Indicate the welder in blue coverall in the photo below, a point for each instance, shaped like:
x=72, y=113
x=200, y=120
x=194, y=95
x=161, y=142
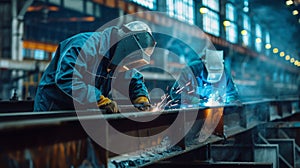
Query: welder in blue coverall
x=85, y=66
x=203, y=80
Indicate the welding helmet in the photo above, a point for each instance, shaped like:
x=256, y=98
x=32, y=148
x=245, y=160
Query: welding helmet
x=135, y=46
x=213, y=61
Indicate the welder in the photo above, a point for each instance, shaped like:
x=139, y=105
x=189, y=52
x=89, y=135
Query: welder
x=205, y=81
x=86, y=65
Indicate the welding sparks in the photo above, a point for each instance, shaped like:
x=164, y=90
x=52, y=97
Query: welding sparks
x=165, y=101
x=180, y=90
x=159, y=105
x=215, y=99
x=172, y=105
x=192, y=91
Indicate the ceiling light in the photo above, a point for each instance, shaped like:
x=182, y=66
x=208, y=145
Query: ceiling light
x=226, y=23
x=275, y=50
x=244, y=32
x=203, y=10
x=292, y=60
x=282, y=54
x=268, y=46
x=287, y=57
x=258, y=40
x=295, y=12
x=289, y=2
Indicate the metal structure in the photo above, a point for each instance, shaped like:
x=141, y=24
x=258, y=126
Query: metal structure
x=57, y=139
x=260, y=133
x=32, y=30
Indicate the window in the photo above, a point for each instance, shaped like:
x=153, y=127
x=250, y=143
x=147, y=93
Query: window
x=181, y=9
x=268, y=42
x=258, y=40
x=150, y=4
x=211, y=22
x=230, y=12
x=211, y=19
x=246, y=6
x=231, y=30
x=39, y=54
x=212, y=4
x=231, y=33
x=246, y=32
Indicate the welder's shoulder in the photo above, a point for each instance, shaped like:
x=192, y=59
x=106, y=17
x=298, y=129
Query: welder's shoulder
x=77, y=39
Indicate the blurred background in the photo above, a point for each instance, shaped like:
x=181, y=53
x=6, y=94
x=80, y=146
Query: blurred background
x=260, y=39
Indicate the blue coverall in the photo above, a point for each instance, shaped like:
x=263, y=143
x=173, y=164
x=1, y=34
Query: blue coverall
x=193, y=83
x=80, y=66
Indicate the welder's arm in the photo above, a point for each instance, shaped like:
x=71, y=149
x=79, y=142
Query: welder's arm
x=138, y=92
x=70, y=79
x=184, y=89
x=232, y=95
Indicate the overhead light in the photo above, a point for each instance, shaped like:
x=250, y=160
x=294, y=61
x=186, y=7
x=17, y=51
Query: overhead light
x=53, y=8
x=292, y=60
x=295, y=12
x=282, y=54
x=81, y=19
x=203, y=10
x=39, y=8
x=244, y=32
x=275, y=50
x=258, y=40
x=268, y=46
x=226, y=23
x=296, y=63
x=289, y=2
x=287, y=57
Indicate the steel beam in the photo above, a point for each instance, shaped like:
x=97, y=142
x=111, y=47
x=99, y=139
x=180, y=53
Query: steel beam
x=168, y=164
x=64, y=131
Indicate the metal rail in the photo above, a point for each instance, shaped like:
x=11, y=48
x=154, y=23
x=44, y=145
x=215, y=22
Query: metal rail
x=61, y=138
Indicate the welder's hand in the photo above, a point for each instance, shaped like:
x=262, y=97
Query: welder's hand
x=146, y=106
x=142, y=103
x=108, y=105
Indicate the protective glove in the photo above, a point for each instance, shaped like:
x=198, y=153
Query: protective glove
x=142, y=103
x=108, y=105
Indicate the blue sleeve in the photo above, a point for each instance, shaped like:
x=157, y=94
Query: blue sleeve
x=231, y=89
x=131, y=84
x=71, y=78
x=137, y=86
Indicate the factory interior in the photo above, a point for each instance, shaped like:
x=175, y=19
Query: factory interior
x=179, y=123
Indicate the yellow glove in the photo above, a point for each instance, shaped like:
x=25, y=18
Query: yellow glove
x=142, y=103
x=108, y=105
